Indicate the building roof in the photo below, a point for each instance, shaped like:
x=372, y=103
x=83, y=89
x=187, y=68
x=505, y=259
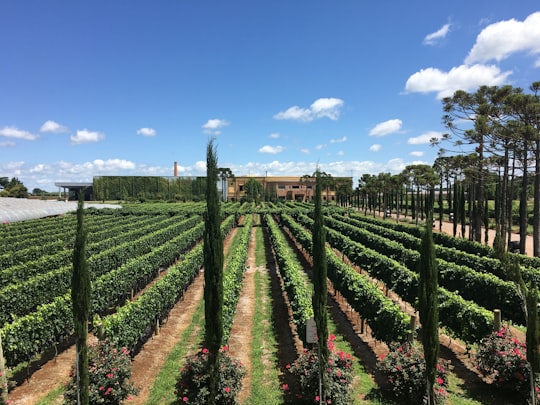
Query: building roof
x=67, y=184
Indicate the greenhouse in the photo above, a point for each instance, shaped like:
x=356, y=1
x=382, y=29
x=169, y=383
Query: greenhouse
x=20, y=209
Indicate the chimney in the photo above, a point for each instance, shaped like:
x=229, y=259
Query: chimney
x=175, y=169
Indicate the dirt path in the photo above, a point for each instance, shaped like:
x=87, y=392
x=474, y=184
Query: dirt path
x=241, y=331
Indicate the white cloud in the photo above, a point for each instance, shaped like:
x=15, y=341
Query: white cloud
x=434, y=37
x=113, y=164
x=214, y=126
x=321, y=146
x=425, y=138
x=322, y=107
x=274, y=135
x=340, y=153
x=339, y=140
x=147, y=132
x=305, y=151
x=462, y=77
x=417, y=153
x=375, y=147
x=39, y=168
x=499, y=40
x=271, y=149
x=200, y=166
x=386, y=127
x=13, y=132
x=54, y=127
x=7, y=144
x=86, y=136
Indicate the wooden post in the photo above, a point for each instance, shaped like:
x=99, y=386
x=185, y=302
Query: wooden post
x=157, y=327
x=496, y=319
x=3, y=375
x=412, y=327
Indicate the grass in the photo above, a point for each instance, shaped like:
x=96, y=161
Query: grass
x=265, y=385
x=162, y=391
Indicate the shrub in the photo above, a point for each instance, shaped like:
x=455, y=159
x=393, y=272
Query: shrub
x=405, y=370
x=3, y=388
x=192, y=384
x=110, y=370
x=503, y=358
x=338, y=375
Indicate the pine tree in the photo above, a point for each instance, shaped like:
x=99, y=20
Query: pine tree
x=428, y=304
x=213, y=270
x=80, y=298
x=319, y=299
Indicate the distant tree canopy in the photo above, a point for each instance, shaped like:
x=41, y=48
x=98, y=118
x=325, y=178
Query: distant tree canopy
x=254, y=190
x=13, y=188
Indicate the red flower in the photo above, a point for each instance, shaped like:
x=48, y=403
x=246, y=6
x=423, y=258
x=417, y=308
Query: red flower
x=382, y=356
x=227, y=389
x=439, y=380
x=205, y=350
x=285, y=387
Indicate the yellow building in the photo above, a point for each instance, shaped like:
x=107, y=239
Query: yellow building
x=284, y=188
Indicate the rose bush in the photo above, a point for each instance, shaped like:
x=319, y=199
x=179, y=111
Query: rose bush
x=110, y=370
x=503, y=358
x=405, y=369
x=192, y=384
x=338, y=375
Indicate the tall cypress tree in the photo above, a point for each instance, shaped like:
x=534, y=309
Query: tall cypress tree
x=80, y=299
x=320, y=291
x=213, y=270
x=428, y=305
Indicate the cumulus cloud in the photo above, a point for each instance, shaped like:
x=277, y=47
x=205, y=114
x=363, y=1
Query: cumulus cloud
x=321, y=146
x=434, y=37
x=375, y=147
x=340, y=153
x=13, y=132
x=425, y=138
x=54, y=127
x=322, y=107
x=214, y=126
x=271, y=149
x=86, y=136
x=499, y=40
x=305, y=151
x=147, y=131
x=462, y=77
x=417, y=153
x=113, y=164
x=339, y=140
x=386, y=127
x=274, y=135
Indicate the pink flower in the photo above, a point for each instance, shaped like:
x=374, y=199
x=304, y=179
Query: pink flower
x=382, y=356
x=185, y=399
x=439, y=380
x=227, y=389
x=285, y=387
x=205, y=350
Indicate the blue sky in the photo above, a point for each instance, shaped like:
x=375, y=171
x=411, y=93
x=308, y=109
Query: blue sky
x=128, y=87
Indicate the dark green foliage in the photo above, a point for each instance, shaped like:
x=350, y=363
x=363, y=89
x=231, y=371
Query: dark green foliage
x=319, y=279
x=428, y=305
x=80, y=297
x=533, y=338
x=213, y=270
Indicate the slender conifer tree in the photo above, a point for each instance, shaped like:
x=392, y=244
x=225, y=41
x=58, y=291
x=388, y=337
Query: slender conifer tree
x=320, y=290
x=213, y=270
x=80, y=298
x=428, y=304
